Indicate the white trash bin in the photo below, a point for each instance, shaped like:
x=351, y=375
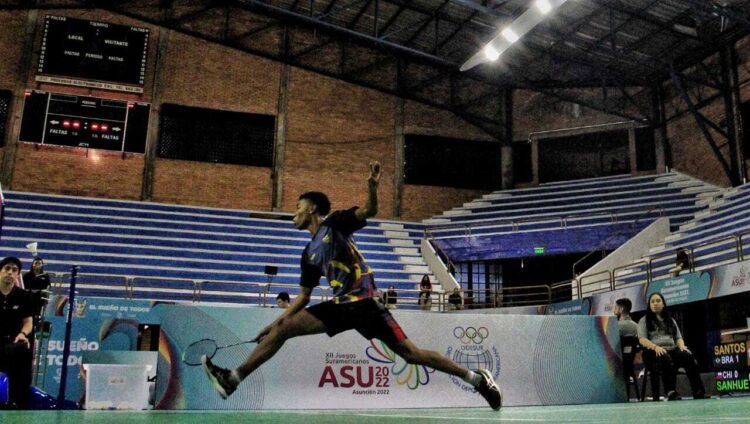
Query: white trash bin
x=116, y=386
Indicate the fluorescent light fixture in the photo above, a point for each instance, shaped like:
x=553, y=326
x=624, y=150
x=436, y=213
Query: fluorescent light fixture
x=509, y=35
x=491, y=53
x=543, y=6
x=539, y=11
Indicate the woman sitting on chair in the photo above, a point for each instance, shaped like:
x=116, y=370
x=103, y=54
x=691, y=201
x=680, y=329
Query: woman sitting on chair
x=664, y=350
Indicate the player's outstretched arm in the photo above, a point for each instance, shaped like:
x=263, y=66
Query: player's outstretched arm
x=297, y=305
x=371, y=205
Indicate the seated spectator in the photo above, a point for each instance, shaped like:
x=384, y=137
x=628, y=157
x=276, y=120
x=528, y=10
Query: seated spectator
x=425, y=284
x=15, y=329
x=456, y=300
x=425, y=293
x=283, y=300
x=664, y=350
x=628, y=327
x=391, y=297
x=682, y=262
x=36, y=281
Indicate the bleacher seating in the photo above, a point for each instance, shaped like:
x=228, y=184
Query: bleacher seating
x=172, y=252
x=712, y=237
x=621, y=198
x=585, y=214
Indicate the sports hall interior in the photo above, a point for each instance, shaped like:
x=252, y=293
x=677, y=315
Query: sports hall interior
x=542, y=174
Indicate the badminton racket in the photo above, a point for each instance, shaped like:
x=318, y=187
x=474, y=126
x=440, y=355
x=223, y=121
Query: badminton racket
x=192, y=355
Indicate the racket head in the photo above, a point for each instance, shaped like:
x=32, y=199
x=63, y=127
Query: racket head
x=195, y=350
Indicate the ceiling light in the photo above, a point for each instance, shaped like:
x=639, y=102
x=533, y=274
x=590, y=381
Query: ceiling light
x=544, y=6
x=509, y=35
x=491, y=53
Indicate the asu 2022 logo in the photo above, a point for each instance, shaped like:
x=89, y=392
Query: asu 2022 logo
x=471, y=349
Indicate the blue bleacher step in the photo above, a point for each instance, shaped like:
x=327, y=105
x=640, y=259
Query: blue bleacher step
x=417, y=260
x=702, y=214
x=673, y=237
x=496, y=196
x=417, y=269
x=687, y=226
x=457, y=212
x=657, y=249
x=436, y=221
x=391, y=226
x=401, y=242
x=476, y=204
x=396, y=234
x=408, y=251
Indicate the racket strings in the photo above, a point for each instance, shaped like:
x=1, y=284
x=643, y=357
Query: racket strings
x=192, y=355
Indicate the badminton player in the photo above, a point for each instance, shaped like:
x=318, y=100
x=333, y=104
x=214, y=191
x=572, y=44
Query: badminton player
x=356, y=302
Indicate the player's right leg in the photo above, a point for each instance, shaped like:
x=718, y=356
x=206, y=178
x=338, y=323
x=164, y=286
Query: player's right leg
x=481, y=379
x=225, y=381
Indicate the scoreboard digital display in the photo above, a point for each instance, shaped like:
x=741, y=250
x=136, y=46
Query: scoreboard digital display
x=93, y=54
x=81, y=121
x=732, y=367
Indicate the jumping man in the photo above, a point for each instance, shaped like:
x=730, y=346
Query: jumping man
x=356, y=303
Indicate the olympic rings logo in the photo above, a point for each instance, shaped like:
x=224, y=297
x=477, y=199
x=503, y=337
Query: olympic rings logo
x=471, y=334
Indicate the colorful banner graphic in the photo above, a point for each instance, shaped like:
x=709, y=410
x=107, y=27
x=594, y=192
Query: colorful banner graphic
x=683, y=289
x=98, y=324
x=537, y=360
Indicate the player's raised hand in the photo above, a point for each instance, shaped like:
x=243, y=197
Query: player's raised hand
x=374, y=172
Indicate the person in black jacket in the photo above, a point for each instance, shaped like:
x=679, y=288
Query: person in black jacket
x=15, y=332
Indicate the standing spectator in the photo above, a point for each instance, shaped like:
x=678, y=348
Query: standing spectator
x=425, y=293
x=15, y=330
x=283, y=300
x=664, y=349
x=36, y=281
x=628, y=327
x=456, y=300
x=391, y=298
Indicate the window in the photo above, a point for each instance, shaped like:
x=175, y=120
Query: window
x=449, y=162
x=208, y=135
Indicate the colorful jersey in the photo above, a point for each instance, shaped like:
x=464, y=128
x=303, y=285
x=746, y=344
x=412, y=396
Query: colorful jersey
x=332, y=253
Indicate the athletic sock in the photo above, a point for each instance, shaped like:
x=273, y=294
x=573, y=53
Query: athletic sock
x=235, y=378
x=472, y=378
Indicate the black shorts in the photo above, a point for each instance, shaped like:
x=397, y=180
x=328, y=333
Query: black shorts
x=368, y=316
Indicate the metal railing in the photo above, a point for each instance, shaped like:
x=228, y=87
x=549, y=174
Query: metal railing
x=615, y=280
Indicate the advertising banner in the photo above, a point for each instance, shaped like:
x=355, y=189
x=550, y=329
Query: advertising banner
x=98, y=324
x=537, y=360
x=731, y=279
x=686, y=288
x=604, y=303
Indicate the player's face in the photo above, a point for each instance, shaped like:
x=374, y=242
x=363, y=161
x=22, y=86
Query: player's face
x=38, y=267
x=303, y=214
x=617, y=310
x=9, y=274
x=656, y=304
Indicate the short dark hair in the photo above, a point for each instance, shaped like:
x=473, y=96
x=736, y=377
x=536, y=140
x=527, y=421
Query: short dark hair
x=283, y=296
x=11, y=260
x=318, y=199
x=625, y=304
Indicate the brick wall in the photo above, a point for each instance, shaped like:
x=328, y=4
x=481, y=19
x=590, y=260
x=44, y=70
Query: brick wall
x=212, y=184
x=79, y=172
x=334, y=129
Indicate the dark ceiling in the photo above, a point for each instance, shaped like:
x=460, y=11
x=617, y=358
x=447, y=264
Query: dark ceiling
x=413, y=48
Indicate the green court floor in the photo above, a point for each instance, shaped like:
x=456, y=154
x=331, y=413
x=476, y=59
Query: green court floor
x=735, y=409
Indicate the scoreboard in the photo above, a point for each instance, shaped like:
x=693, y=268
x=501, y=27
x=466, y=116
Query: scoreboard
x=93, y=54
x=81, y=121
x=731, y=365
